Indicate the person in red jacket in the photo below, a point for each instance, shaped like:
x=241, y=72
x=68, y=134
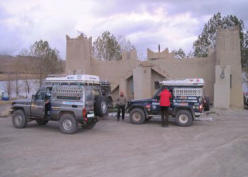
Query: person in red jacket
x=165, y=96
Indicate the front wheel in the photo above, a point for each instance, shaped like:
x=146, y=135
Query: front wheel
x=19, y=119
x=184, y=118
x=68, y=124
x=137, y=116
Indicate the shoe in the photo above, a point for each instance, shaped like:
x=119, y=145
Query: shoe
x=165, y=126
x=118, y=119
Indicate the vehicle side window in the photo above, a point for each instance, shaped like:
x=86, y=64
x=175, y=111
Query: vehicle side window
x=40, y=95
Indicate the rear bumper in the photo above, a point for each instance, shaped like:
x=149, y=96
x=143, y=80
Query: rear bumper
x=87, y=120
x=197, y=114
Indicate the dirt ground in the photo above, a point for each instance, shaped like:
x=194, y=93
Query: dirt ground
x=209, y=148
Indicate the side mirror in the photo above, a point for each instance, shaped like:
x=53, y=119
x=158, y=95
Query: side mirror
x=156, y=85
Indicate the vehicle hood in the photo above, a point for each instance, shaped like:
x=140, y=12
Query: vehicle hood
x=22, y=101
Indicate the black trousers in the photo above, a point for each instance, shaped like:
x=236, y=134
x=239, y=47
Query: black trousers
x=164, y=115
x=121, y=108
x=47, y=108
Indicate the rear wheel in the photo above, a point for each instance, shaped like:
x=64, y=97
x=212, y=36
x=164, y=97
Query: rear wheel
x=41, y=122
x=68, y=124
x=184, y=118
x=19, y=119
x=137, y=116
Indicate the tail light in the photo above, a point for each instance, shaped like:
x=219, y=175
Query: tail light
x=201, y=108
x=85, y=114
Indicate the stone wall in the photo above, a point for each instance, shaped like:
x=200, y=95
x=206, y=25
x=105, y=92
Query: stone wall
x=136, y=78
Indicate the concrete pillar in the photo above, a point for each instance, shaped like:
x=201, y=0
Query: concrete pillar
x=142, y=82
x=123, y=86
x=228, y=53
x=222, y=86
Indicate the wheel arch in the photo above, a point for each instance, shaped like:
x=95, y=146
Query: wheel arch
x=15, y=108
x=66, y=112
x=140, y=107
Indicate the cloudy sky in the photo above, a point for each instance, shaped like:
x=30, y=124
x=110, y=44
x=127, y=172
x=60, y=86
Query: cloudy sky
x=170, y=23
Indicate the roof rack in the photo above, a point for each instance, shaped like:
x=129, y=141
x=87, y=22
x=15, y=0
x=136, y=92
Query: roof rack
x=75, y=79
x=185, y=82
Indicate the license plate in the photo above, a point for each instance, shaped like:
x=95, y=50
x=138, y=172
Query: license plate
x=90, y=115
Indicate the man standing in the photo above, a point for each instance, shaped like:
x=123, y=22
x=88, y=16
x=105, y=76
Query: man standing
x=47, y=103
x=165, y=96
x=121, y=104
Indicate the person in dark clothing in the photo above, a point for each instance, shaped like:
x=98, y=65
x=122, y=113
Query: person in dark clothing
x=47, y=103
x=165, y=96
x=121, y=104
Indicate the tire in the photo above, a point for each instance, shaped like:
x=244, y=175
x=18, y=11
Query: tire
x=137, y=116
x=89, y=125
x=68, y=124
x=41, y=122
x=184, y=118
x=19, y=119
x=101, y=106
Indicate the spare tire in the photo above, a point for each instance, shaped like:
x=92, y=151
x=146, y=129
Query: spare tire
x=101, y=106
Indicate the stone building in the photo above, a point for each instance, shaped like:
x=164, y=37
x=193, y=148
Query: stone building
x=221, y=70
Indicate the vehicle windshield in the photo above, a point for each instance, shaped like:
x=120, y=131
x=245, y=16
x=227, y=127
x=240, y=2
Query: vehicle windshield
x=157, y=93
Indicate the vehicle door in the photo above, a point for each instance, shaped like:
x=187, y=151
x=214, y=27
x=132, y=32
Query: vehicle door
x=38, y=104
x=155, y=107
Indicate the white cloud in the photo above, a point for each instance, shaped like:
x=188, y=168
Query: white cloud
x=145, y=24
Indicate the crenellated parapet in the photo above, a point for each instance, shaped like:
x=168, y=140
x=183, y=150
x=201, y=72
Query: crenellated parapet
x=151, y=55
x=78, y=54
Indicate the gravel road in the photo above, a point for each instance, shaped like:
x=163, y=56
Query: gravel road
x=217, y=148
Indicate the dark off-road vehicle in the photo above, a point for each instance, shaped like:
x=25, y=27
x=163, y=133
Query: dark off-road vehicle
x=186, y=102
x=73, y=100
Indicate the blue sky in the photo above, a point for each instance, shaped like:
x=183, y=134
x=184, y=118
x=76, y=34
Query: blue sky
x=171, y=23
